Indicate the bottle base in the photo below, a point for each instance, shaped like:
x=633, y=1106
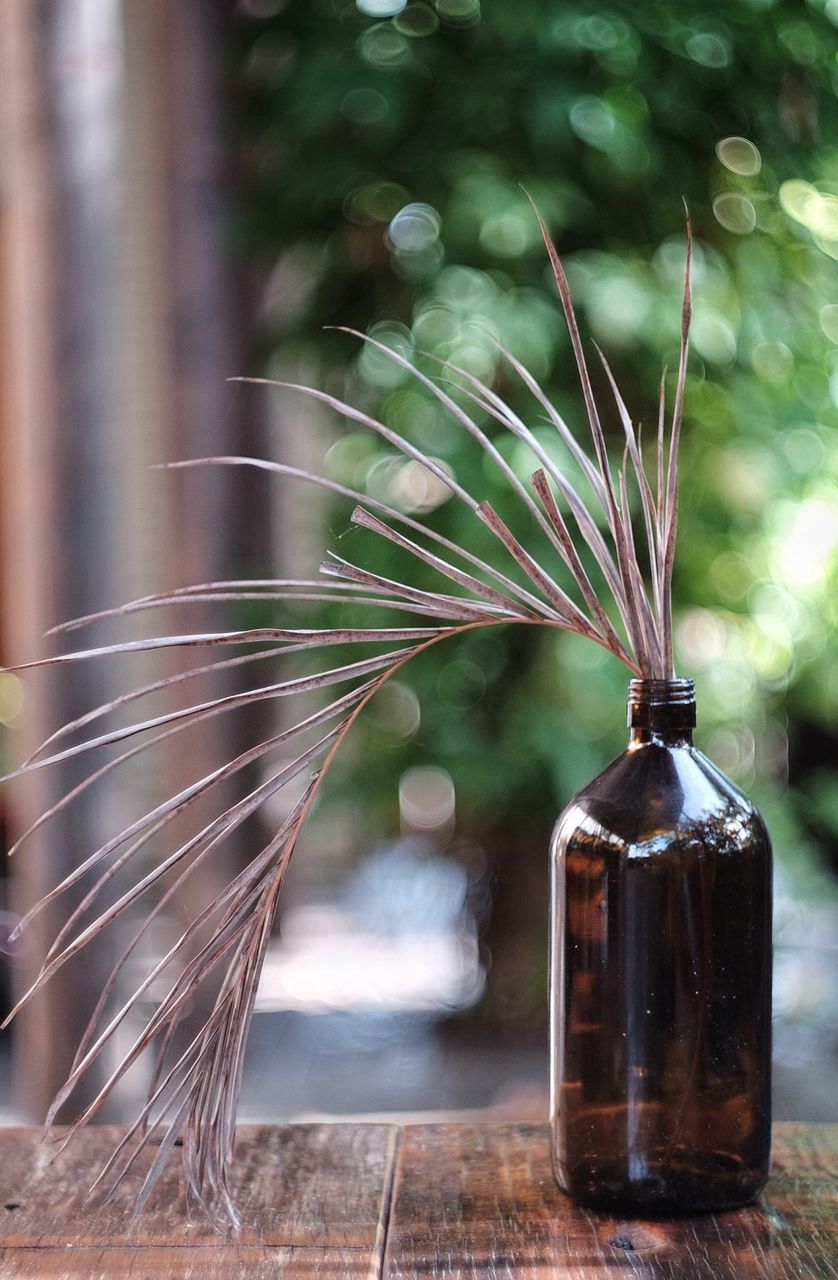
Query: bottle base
x=686, y=1184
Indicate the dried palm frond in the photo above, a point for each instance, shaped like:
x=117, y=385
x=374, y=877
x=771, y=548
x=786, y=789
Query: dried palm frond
x=194, y=1089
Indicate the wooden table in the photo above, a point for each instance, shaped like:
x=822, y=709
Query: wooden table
x=374, y=1200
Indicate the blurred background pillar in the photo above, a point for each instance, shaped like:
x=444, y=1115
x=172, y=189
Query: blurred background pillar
x=117, y=333
x=59, y=150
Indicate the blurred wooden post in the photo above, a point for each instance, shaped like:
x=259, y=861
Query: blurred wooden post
x=183, y=344
x=57, y=180
x=116, y=337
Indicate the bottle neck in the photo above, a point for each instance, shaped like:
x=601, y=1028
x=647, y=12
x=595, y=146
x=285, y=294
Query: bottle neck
x=661, y=711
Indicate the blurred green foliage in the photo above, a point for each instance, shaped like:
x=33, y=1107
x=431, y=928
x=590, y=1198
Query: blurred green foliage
x=384, y=148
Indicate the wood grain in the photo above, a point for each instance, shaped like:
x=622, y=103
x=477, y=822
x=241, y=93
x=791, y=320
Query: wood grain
x=213, y=1262
x=480, y=1201
x=313, y=1200
x=358, y=1202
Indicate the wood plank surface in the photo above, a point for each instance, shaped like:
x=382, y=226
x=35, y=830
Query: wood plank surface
x=474, y=1202
x=313, y=1201
x=356, y=1202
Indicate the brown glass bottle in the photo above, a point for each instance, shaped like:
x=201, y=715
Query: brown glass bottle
x=660, y=986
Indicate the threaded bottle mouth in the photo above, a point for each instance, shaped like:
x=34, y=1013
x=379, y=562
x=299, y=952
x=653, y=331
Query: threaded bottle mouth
x=661, y=704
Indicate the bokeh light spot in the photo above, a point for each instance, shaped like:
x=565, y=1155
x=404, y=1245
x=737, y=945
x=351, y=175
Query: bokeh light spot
x=417, y=20
x=804, y=450
x=816, y=210
x=713, y=337
x=381, y=8
x=414, y=228
x=617, y=307
x=735, y=213
x=739, y=155
x=348, y=459
x=733, y=750
x=384, y=47
x=773, y=361
x=829, y=321
x=365, y=106
x=415, y=488
x=731, y=574
x=376, y=366
x=593, y=122
x=427, y=799
x=459, y=13
x=435, y=326
x=807, y=548
x=801, y=41
x=701, y=638
x=745, y=475
x=709, y=50
x=795, y=195
x=395, y=709
x=461, y=682
x=373, y=202
x=597, y=32
x=411, y=412
x=506, y=234
x=11, y=697
x=270, y=58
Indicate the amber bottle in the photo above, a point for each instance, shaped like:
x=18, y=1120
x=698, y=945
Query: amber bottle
x=661, y=976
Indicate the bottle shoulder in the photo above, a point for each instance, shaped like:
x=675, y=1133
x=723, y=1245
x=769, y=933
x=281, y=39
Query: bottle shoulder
x=652, y=792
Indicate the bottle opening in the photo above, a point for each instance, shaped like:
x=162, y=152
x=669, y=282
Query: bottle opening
x=665, y=704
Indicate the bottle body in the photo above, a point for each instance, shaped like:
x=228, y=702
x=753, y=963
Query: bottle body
x=661, y=981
